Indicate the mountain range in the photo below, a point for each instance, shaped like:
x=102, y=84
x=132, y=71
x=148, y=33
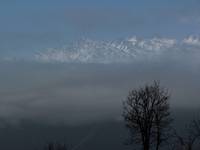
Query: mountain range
x=118, y=51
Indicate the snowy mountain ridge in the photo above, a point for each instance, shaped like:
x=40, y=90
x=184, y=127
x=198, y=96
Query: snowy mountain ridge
x=122, y=51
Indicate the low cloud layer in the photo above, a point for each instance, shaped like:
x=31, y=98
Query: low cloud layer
x=82, y=93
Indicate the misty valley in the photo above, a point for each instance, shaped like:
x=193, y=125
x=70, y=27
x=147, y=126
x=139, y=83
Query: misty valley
x=99, y=75
x=81, y=106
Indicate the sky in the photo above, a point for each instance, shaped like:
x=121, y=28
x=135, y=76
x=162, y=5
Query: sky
x=28, y=26
x=72, y=61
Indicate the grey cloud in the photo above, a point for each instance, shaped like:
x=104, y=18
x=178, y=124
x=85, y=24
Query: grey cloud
x=82, y=93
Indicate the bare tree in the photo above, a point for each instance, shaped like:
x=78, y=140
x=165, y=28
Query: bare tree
x=146, y=114
x=162, y=120
x=192, y=134
x=56, y=146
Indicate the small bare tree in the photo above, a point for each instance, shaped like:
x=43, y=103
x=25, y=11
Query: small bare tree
x=56, y=146
x=146, y=114
x=192, y=134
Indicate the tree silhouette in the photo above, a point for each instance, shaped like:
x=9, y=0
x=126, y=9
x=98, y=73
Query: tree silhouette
x=56, y=146
x=146, y=114
x=162, y=120
x=191, y=136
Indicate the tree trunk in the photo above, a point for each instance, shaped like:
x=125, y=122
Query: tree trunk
x=189, y=147
x=158, y=141
x=146, y=145
x=157, y=146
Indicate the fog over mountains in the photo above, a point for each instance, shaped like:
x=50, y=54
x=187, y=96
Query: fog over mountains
x=87, y=80
x=66, y=67
x=121, y=51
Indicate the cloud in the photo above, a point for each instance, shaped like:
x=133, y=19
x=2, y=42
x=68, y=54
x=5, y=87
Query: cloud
x=83, y=93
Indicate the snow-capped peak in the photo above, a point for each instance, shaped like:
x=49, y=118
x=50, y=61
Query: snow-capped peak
x=133, y=40
x=192, y=40
x=127, y=50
